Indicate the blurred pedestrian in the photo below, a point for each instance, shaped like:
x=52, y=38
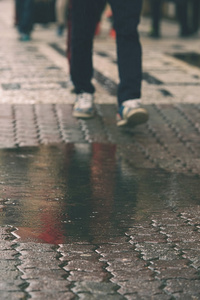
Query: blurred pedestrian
x=61, y=15
x=126, y=14
x=25, y=18
x=187, y=12
x=156, y=6
x=188, y=16
x=195, y=15
x=44, y=12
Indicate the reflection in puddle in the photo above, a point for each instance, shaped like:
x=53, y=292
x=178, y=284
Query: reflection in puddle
x=77, y=192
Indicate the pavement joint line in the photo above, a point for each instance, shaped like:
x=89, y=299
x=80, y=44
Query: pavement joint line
x=174, y=129
x=24, y=285
x=62, y=265
x=161, y=142
x=189, y=120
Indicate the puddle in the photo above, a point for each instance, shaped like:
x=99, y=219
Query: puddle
x=55, y=194
x=191, y=58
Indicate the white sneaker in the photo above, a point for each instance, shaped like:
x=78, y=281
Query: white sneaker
x=84, y=106
x=131, y=114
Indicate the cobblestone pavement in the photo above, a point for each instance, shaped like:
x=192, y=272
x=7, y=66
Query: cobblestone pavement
x=89, y=211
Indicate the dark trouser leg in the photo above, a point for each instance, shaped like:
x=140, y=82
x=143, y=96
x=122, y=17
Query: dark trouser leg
x=19, y=9
x=85, y=14
x=195, y=15
x=26, y=16
x=25, y=10
x=156, y=16
x=182, y=15
x=126, y=19
x=69, y=31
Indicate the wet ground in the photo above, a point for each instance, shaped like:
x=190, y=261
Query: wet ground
x=88, y=211
x=77, y=192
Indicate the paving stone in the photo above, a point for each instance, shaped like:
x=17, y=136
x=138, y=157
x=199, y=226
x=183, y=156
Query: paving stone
x=77, y=248
x=142, y=231
x=186, y=273
x=94, y=276
x=4, y=231
x=83, y=265
x=35, y=247
x=74, y=256
x=191, y=254
x=9, y=265
x=150, y=238
x=100, y=297
x=172, y=264
x=186, y=296
x=119, y=257
x=154, y=297
x=183, y=237
x=127, y=265
x=183, y=286
x=34, y=273
x=8, y=254
x=10, y=284
x=143, y=288
x=41, y=257
x=187, y=230
x=5, y=245
x=111, y=248
x=12, y=295
x=157, y=251
x=122, y=275
x=188, y=245
x=95, y=288
x=40, y=264
x=52, y=296
x=45, y=284
x=110, y=240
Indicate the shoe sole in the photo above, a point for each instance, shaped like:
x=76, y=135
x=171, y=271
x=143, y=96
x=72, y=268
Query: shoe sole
x=82, y=115
x=135, y=117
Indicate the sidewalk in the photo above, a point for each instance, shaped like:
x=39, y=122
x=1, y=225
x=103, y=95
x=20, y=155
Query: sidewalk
x=89, y=211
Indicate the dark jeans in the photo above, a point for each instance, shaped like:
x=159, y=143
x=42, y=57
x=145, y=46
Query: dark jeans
x=85, y=15
x=156, y=15
x=188, y=15
x=25, y=11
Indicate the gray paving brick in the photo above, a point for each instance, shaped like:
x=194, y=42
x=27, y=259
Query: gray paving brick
x=183, y=286
x=48, y=285
x=51, y=296
x=84, y=265
x=12, y=295
x=95, y=288
x=93, y=276
x=142, y=288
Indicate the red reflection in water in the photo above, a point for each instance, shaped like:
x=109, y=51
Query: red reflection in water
x=99, y=177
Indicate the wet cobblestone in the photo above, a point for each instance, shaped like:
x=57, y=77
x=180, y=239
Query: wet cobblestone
x=89, y=211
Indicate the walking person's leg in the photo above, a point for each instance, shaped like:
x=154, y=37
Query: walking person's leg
x=182, y=15
x=26, y=19
x=17, y=12
x=61, y=15
x=126, y=19
x=85, y=15
x=156, y=17
x=195, y=15
x=69, y=32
